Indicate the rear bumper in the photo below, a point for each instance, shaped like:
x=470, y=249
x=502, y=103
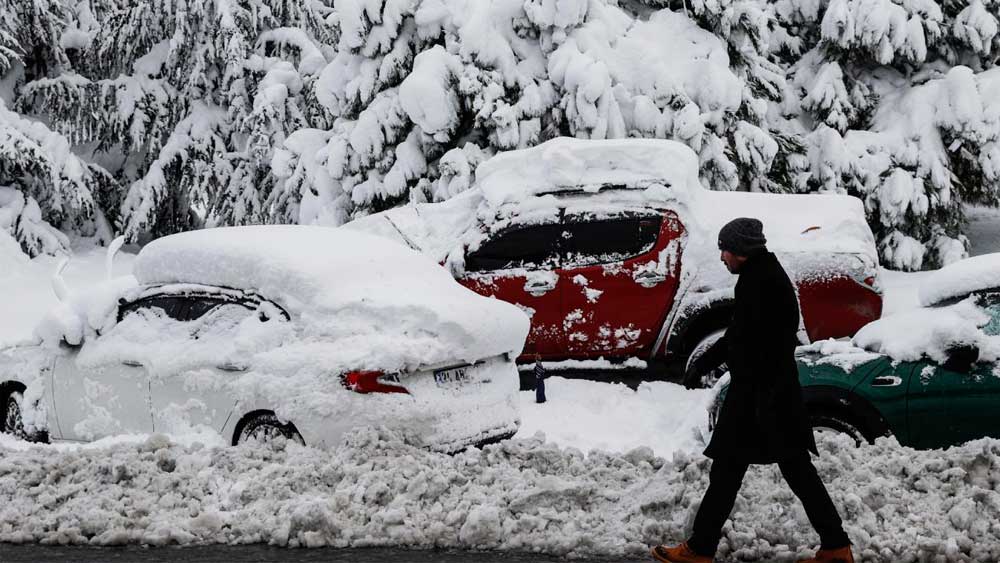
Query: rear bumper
x=439, y=418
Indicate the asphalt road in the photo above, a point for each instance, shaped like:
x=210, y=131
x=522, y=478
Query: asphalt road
x=262, y=554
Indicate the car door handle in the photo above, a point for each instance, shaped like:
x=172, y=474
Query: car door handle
x=537, y=287
x=887, y=381
x=649, y=278
x=132, y=363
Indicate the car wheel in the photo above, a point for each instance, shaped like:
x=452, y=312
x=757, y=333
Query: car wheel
x=838, y=424
x=699, y=350
x=265, y=427
x=13, y=424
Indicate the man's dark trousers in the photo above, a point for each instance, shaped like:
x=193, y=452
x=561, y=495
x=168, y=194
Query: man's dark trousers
x=725, y=480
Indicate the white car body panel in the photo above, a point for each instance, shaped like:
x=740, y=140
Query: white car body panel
x=84, y=403
x=100, y=401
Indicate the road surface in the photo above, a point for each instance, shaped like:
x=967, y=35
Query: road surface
x=260, y=554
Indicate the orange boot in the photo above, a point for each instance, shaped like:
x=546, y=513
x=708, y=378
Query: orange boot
x=678, y=554
x=839, y=555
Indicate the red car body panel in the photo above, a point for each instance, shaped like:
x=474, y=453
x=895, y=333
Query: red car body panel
x=837, y=306
x=617, y=309
x=547, y=336
x=606, y=309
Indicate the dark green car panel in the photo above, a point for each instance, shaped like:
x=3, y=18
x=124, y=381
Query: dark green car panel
x=920, y=403
x=884, y=387
x=947, y=407
x=923, y=404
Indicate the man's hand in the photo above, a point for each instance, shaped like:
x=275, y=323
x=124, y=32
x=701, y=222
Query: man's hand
x=692, y=377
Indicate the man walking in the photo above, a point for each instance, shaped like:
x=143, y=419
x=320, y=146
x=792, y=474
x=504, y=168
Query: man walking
x=763, y=418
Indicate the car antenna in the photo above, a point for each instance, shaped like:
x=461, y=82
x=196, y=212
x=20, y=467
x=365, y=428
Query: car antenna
x=405, y=238
x=109, y=258
x=59, y=286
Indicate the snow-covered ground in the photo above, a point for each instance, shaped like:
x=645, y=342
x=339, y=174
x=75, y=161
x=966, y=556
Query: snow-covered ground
x=525, y=495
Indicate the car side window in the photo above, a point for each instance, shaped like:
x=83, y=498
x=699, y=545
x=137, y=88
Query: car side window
x=992, y=328
x=221, y=319
x=529, y=247
x=169, y=306
x=589, y=241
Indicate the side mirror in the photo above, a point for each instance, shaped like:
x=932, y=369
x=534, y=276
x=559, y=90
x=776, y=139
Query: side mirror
x=961, y=358
x=64, y=345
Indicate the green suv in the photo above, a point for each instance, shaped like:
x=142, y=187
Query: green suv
x=929, y=377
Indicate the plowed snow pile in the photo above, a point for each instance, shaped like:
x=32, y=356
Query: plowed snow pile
x=899, y=504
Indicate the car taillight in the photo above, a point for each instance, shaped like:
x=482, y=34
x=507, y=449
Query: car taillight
x=867, y=275
x=372, y=382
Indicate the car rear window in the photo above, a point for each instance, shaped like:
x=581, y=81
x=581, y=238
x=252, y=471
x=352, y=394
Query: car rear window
x=603, y=241
x=531, y=246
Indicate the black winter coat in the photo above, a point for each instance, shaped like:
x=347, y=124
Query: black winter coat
x=763, y=418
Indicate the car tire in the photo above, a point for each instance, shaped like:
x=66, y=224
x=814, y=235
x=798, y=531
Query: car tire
x=13, y=423
x=703, y=345
x=265, y=427
x=828, y=422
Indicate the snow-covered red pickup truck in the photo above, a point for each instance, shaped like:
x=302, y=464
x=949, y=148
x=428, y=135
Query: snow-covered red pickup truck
x=611, y=248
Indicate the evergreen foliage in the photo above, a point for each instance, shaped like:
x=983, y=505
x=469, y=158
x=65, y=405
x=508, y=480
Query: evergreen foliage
x=147, y=117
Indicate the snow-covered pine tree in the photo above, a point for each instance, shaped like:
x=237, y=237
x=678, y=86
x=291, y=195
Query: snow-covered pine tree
x=41, y=182
x=417, y=91
x=889, y=120
x=183, y=101
x=36, y=165
x=316, y=111
x=420, y=92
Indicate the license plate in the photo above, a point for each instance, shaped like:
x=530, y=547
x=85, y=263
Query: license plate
x=453, y=376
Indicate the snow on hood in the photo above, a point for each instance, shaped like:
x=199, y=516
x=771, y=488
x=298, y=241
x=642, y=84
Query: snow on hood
x=928, y=333
x=961, y=278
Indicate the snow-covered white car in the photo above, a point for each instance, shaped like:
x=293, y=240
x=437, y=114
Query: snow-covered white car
x=253, y=332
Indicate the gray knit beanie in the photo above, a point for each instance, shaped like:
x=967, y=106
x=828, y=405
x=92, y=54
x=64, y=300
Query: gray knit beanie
x=742, y=236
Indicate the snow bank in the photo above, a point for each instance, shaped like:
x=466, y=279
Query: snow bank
x=590, y=415
x=525, y=495
x=960, y=278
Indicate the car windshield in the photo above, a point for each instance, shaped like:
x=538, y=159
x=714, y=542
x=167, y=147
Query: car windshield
x=992, y=328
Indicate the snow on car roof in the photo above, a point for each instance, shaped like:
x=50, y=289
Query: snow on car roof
x=961, y=278
x=300, y=267
x=643, y=172
x=792, y=222
x=566, y=162
x=343, y=284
